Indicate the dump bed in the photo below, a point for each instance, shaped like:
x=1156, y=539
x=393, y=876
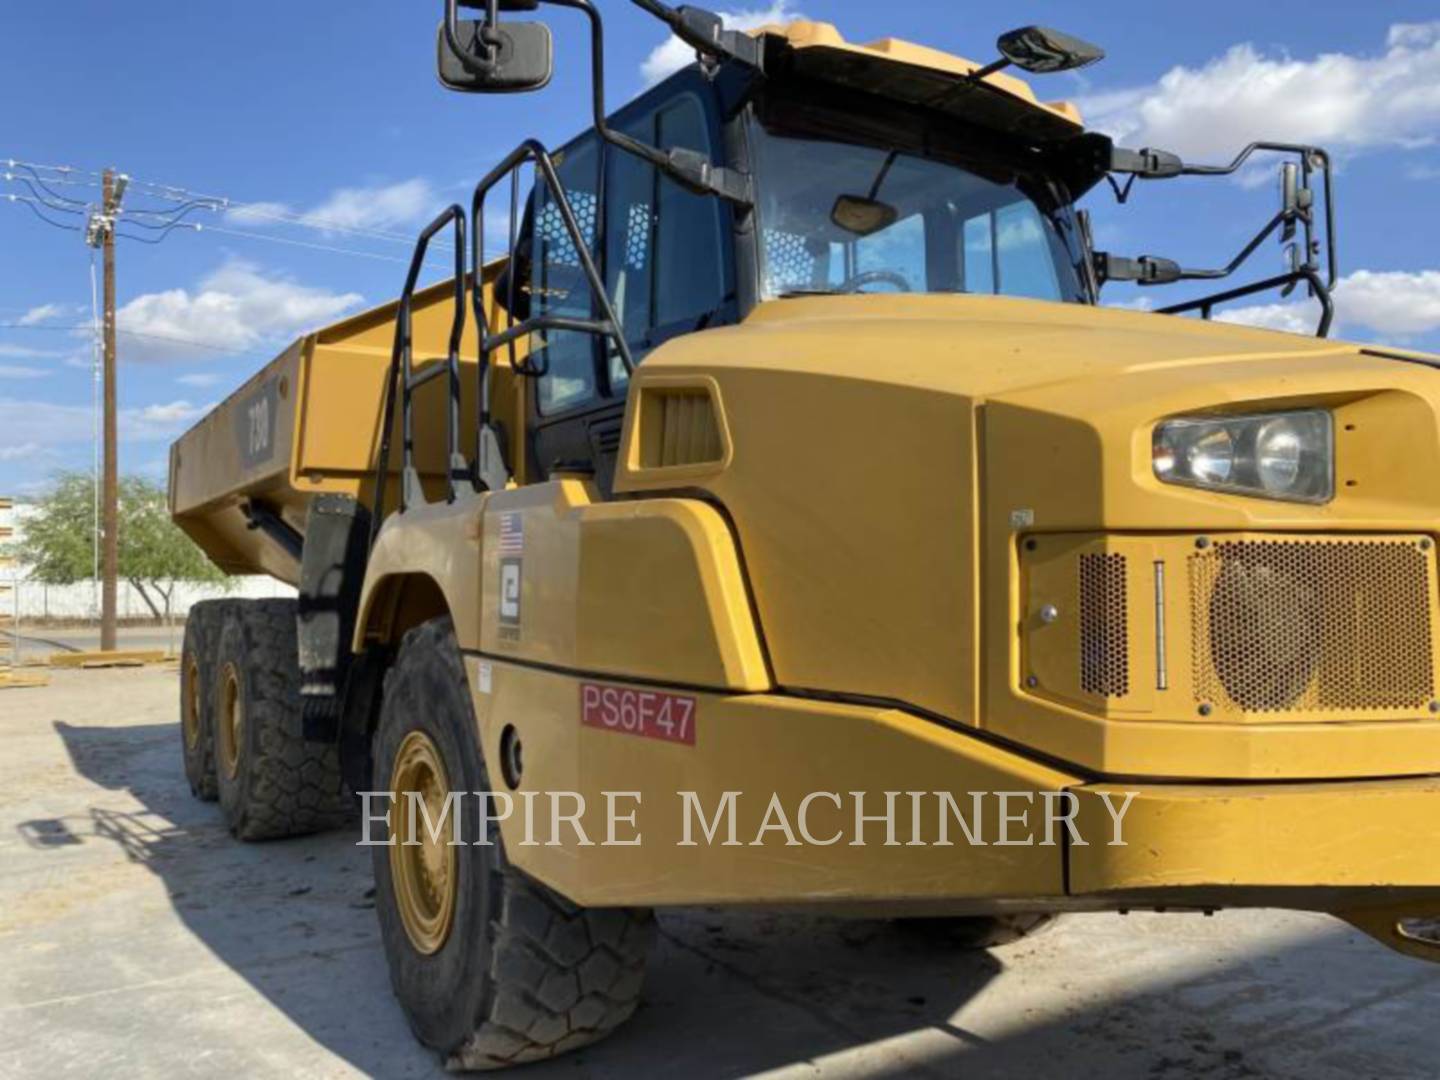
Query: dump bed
x=309, y=423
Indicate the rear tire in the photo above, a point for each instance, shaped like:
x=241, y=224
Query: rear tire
x=498, y=969
x=272, y=781
x=197, y=682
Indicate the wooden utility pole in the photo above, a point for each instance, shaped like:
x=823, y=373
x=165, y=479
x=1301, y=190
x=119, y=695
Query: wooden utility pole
x=113, y=189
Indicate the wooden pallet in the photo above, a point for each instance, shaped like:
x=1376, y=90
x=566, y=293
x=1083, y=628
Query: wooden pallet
x=114, y=658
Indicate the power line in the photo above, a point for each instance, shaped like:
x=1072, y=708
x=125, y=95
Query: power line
x=229, y=350
x=31, y=203
x=293, y=242
x=224, y=204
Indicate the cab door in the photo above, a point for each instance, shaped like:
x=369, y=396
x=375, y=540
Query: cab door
x=663, y=254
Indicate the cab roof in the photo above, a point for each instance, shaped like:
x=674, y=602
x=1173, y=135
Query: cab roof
x=916, y=74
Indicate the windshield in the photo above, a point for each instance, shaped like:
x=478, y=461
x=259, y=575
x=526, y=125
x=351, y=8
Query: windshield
x=840, y=218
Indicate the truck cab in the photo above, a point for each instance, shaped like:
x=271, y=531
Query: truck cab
x=850, y=198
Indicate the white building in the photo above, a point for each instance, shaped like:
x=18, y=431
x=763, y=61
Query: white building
x=35, y=601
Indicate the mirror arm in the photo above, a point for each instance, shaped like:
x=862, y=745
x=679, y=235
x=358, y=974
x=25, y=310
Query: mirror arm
x=705, y=32
x=1146, y=270
x=1147, y=163
x=690, y=168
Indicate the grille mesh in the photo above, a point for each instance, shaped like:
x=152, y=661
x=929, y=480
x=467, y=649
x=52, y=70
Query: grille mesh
x=1281, y=625
x=1104, y=644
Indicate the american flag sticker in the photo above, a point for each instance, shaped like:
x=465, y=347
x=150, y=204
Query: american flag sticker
x=512, y=534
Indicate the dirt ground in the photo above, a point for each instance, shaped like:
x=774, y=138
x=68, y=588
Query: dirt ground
x=137, y=939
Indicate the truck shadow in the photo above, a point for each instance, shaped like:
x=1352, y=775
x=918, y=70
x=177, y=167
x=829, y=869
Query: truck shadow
x=731, y=993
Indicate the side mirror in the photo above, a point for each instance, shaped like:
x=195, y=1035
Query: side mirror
x=1296, y=200
x=1042, y=51
x=478, y=57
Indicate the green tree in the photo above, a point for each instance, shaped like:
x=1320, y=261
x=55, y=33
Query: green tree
x=58, y=542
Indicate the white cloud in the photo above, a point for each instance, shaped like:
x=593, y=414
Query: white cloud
x=16, y=453
x=258, y=213
x=24, y=352
x=1393, y=303
x=236, y=308
x=41, y=425
x=21, y=371
x=174, y=412
x=199, y=378
x=1340, y=100
x=386, y=206
x=44, y=313
x=673, y=54
x=1291, y=318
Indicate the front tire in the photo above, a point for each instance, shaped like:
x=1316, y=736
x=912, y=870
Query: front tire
x=490, y=967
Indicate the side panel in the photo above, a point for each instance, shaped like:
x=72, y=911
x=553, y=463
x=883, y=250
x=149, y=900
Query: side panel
x=648, y=589
x=855, y=504
x=758, y=746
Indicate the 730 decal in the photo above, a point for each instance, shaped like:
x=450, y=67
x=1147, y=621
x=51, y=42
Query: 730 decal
x=650, y=714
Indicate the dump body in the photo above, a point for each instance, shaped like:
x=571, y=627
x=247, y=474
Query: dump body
x=309, y=423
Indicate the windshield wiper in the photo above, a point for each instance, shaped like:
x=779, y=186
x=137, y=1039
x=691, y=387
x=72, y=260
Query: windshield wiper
x=791, y=294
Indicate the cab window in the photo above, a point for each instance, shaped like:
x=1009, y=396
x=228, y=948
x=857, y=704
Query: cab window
x=664, y=259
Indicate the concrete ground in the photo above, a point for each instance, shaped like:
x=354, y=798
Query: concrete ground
x=137, y=939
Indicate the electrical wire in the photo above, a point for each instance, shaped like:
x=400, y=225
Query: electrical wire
x=68, y=207
x=36, y=211
x=131, y=217
x=295, y=243
x=167, y=220
x=164, y=230
x=39, y=180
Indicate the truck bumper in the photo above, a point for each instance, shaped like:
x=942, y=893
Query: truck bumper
x=1328, y=837
x=1368, y=852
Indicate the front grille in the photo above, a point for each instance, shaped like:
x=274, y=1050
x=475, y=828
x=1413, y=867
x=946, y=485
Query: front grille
x=1282, y=625
x=1104, y=641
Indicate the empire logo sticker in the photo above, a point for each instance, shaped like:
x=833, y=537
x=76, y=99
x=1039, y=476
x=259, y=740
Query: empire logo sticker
x=510, y=593
x=510, y=547
x=650, y=714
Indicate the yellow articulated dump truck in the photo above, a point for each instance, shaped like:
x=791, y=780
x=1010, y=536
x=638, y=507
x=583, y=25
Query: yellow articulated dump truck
x=771, y=516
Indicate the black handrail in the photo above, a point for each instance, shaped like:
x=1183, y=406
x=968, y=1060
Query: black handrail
x=1206, y=304
x=1312, y=159
x=402, y=374
x=602, y=321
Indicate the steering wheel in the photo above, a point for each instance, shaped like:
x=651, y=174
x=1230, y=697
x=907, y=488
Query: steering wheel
x=870, y=277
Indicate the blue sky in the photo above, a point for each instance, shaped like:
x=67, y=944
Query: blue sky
x=332, y=115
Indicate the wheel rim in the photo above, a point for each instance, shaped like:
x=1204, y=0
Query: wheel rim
x=231, y=727
x=422, y=874
x=190, y=714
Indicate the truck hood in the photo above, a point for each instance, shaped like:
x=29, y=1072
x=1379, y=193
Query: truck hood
x=983, y=346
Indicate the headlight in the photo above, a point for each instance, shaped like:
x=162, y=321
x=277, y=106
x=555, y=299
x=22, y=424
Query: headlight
x=1283, y=455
